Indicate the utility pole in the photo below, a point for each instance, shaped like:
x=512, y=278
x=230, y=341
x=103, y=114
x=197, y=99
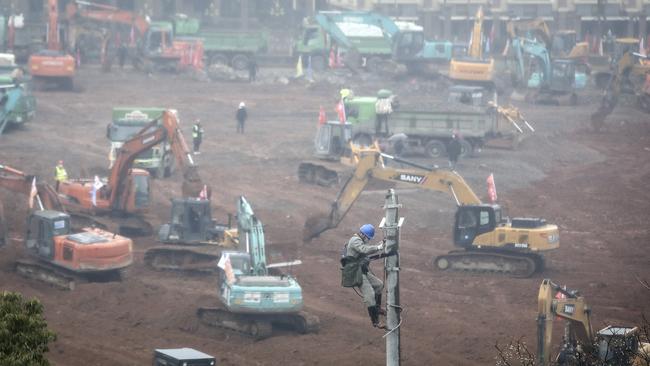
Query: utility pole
x=391, y=225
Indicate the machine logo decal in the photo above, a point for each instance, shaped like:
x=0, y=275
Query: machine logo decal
x=412, y=178
x=148, y=139
x=569, y=309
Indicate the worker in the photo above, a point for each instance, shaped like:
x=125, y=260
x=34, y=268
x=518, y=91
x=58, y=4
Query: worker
x=122, y=52
x=60, y=175
x=453, y=150
x=197, y=136
x=358, y=249
x=241, y=116
x=383, y=108
x=252, y=70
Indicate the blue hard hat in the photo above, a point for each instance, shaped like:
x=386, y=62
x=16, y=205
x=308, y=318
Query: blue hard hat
x=368, y=230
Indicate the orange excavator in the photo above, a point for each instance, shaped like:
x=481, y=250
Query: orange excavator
x=58, y=255
x=156, y=45
x=53, y=64
x=125, y=195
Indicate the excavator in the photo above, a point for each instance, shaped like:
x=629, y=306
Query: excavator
x=612, y=345
x=58, y=255
x=156, y=48
x=53, y=64
x=252, y=299
x=626, y=79
x=488, y=241
x=193, y=239
x=475, y=68
x=554, y=82
x=125, y=195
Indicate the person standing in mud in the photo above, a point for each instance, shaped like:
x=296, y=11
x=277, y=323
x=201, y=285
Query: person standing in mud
x=241, y=116
x=453, y=150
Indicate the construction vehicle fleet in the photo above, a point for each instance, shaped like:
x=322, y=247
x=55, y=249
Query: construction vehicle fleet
x=488, y=240
x=470, y=111
x=56, y=254
x=126, y=194
x=612, y=345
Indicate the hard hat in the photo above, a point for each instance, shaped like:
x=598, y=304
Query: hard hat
x=242, y=105
x=368, y=230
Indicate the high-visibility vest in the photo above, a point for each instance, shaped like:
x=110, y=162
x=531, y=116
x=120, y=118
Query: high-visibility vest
x=61, y=174
x=195, y=131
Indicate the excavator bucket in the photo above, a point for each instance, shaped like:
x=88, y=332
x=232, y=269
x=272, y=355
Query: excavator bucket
x=316, y=225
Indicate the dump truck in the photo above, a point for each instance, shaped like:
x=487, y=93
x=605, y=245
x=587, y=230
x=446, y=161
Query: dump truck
x=367, y=39
x=229, y=47
x=470, y=111
x=127, y=122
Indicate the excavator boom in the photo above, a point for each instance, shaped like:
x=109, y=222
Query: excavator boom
x=107, y=14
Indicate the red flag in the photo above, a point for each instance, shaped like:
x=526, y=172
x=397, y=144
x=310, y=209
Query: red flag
x=492, y=189
x=203, y=195
x=332, y=59
x=32, y=194
x=321, y=116
x=340, y=109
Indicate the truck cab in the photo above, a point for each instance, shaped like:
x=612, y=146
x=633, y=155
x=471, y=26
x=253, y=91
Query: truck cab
x=128, y=121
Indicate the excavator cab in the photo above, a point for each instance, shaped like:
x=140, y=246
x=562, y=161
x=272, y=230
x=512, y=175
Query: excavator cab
x=474, y=220
x=332, y=139
x=42, y=227
x=563, y=74
x=191, y=222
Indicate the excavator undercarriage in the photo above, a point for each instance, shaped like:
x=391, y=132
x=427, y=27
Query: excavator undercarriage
x=61, y=278
x=258, y=326
x=519, y=265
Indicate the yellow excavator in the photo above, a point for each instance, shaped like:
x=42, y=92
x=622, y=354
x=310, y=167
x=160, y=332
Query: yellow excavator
x=612, y=345
x=488, y=241
x=628, y=77
x=474, y=68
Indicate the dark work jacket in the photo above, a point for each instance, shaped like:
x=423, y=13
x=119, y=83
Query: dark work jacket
x=241, y=115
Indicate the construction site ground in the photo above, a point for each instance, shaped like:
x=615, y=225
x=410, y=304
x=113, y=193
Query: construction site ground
x=593, y=185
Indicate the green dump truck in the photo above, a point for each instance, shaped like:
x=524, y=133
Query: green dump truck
x=126, y=122
x=229, y=47
x=467, y=112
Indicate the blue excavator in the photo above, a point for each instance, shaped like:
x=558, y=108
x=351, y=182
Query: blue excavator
x=546, y=80
x=252, y=298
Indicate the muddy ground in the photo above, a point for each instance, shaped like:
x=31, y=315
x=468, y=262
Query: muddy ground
x=593, y=185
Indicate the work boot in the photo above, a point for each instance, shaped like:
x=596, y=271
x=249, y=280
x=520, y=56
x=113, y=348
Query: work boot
x=373, y=311
x=378, y=303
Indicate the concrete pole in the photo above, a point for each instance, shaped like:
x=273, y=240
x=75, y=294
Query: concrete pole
x=391, y=225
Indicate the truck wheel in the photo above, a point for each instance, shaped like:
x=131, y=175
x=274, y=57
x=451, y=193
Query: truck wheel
x=317, y=62
x=240, y=62
x=219, y=60
x=435, y=149
x=466, y=148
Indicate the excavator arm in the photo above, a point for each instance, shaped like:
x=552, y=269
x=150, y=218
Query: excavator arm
x=19, y=182
x=106, y=14
x=476, y=48
x=527, y=28
x=553, y=300
x=192, y=182
x=370, y=164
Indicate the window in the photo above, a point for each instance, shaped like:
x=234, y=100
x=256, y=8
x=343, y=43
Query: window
x=467, y=220
x=484, y=218
x=67, y=253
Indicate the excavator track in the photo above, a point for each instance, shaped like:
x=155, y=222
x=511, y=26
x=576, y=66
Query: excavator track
x=62, y=278
x=198, y=259
x=258, y=326
x=518, y=265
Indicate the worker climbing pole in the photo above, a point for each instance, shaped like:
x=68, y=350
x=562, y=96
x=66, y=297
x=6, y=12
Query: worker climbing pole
x=391, y=225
